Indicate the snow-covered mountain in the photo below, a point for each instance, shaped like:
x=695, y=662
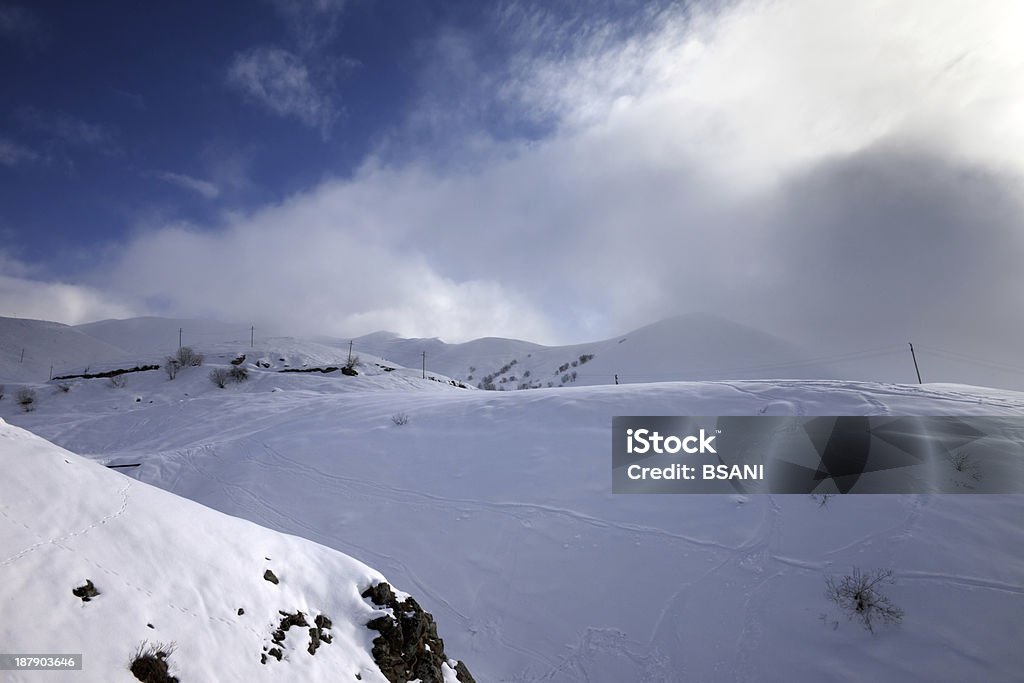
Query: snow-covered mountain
x=494, y=509
x=685, y=347
x=30, y=348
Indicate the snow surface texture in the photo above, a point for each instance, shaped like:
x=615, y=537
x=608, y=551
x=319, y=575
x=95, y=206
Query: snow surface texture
x=494, y=509
x=167, y=570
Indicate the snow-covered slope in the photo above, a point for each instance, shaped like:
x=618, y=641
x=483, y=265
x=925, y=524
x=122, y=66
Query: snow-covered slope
x=28, y=349
x=154, y=338
x=686, y=347
x=167, y=570
x=495, y=509
x=151, y=334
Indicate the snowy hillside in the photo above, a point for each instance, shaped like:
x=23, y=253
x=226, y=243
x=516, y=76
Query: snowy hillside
x=29, y=348
x=99, y=564
x=494, y=509
x=60, y=351
x=686, y=347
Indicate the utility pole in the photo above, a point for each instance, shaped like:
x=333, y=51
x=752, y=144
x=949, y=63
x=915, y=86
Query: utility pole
x=914, y=356
x=179, y=337
x=51, y=372
x=22, y=356
x=424, y=365
x=252, y=336
x=349, y=350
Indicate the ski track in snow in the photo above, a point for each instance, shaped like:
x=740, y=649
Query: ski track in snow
x=757, y=558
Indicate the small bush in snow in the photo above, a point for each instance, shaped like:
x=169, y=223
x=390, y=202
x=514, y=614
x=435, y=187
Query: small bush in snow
x=26, y=398
x=400, y=419
x=220, y=377
x=149, y=663
x=352, y=362
x=857, y=595
x=961, y=462
x=238, y=374
x=189, y=358
x=118, y=381
x=63, y=387
x=171, y=366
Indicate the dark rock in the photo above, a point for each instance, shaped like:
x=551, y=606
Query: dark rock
x=241, y=611
x=462, y=673
x=289, y=620
x=314, y=640
x=318, y=633
x=269, y=576
x=152, y=668
x=381, y=595
x=408, y=646
x=87, y=592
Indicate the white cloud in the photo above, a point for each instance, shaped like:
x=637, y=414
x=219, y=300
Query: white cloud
x=12, y=154
x=203, y=187
x=313, y=23
x=320, y=275
x=67, y=128
x=845, y=173
x=763, y=87
x=280, y=81
x=64, y=303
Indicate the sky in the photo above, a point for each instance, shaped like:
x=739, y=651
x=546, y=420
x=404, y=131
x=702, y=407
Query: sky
x=845, y=175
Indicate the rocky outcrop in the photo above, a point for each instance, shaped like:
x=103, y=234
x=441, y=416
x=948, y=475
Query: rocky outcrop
x=408, y=647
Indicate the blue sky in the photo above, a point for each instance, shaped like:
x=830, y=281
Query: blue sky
x=845, y=175
x=124, y=110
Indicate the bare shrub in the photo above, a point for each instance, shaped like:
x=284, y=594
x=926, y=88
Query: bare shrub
x=63, y=387
x=149, y=663
x=220, y=377
x=857, y=595
x=352, y=362
x=962, y=462
x=118, y=381
x=400, y=419
x=189, y=358
x=26, y=398
x=171, y=366
x=238, y=374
